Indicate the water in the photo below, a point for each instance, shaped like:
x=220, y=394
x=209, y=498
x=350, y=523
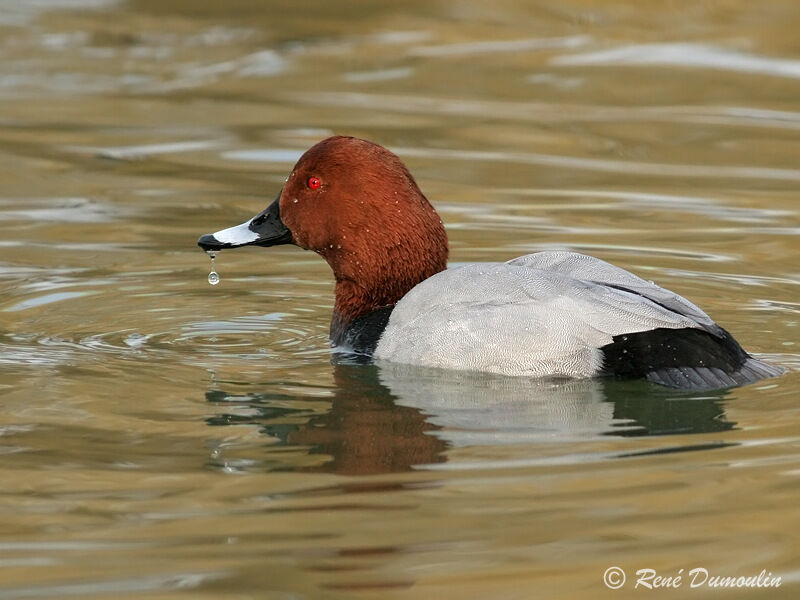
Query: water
x=162, y=438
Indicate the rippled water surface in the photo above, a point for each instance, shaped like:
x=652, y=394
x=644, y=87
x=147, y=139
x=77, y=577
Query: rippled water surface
x=162, y=438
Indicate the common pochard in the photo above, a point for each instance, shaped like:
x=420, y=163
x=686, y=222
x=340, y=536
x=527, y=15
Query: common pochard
x=555, y=313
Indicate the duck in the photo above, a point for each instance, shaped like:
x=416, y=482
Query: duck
x=551, y=314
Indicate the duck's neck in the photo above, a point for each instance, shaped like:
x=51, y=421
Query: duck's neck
x=356, y=301
x=353, y=300
x=372, y=291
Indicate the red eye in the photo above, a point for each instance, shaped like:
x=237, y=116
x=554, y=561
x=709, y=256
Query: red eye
x=314, y=183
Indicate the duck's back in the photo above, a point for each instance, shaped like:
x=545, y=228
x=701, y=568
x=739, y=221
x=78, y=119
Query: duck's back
x=562, y=314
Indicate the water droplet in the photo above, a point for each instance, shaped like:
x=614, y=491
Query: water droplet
x=213, y=276
x=295, y=201
x=339, y=246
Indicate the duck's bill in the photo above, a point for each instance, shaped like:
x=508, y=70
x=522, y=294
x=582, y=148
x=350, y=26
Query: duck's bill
x=265, y=229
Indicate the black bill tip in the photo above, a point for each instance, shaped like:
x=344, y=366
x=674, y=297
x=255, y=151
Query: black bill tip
x=208, y=243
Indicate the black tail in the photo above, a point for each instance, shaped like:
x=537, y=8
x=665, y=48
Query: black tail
x=688, y=359
x=711, y=378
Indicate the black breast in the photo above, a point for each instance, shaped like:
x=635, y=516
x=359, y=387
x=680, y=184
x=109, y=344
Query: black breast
x=362, y=334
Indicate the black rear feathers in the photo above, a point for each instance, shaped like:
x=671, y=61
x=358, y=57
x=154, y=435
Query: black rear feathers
x=691, y=359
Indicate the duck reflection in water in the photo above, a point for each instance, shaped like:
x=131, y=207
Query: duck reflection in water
x=394, y=418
